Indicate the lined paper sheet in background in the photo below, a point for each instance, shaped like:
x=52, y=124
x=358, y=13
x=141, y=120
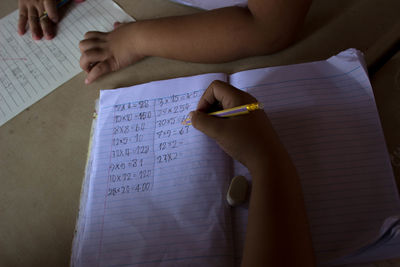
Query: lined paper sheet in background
x=325, y=114
x=30, y=69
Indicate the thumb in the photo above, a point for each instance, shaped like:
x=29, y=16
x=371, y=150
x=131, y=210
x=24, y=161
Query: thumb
x=207, y=124
x=98, y=70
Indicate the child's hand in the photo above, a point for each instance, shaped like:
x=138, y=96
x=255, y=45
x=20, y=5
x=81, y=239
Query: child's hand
x=30, y=12
x=106, y=52
x=276, y=199
x=249, y=138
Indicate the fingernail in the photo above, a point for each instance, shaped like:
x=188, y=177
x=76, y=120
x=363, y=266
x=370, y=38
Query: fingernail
x=49, y=36
x=35, y=37
x=86, y=81
x=116, y=24
x=190, y=115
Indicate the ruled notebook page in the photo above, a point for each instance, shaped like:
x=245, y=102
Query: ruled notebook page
x=325, y=115
x=156, y=191
x=29, y=69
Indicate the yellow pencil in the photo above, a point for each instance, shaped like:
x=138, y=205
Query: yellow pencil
x=230, y=112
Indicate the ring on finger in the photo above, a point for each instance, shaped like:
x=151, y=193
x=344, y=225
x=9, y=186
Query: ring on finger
x=44, y=16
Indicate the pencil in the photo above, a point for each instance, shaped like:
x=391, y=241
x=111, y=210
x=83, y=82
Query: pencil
x=230, y=112
x=60, y=3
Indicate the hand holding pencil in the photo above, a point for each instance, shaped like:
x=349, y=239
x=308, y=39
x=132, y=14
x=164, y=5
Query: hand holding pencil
x=248, y=137
x=231, y=112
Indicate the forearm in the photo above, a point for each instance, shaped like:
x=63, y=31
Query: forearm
x=221, y=35
x=277, y=231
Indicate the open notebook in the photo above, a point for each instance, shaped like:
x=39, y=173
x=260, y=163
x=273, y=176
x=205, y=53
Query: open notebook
x=154, y=191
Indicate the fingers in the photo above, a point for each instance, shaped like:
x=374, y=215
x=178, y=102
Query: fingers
x=207, y=124
x=94, y=56
x=89, y=44
x=33, y=19
x=30, y=12
x=48, y=28
x=98, y=70
x=22, y=20
x=94, y=35
x=92, y=40
x=51, y=9
x=90, y=57
x=224, y=93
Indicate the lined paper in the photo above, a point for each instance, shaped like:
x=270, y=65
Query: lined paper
x=29, y=69
x=156, y=189
x=154, y=193
x=325, y=115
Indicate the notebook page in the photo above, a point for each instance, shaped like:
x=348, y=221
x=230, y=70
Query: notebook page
x=81, y=219
x=30, y=69
x=325, y=115
x=384, y=246
x=157, y=188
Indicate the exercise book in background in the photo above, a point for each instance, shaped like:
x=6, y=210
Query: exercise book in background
x=154, y=190
x=29, y=70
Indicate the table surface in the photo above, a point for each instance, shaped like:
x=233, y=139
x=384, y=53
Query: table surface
x=43, y=149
